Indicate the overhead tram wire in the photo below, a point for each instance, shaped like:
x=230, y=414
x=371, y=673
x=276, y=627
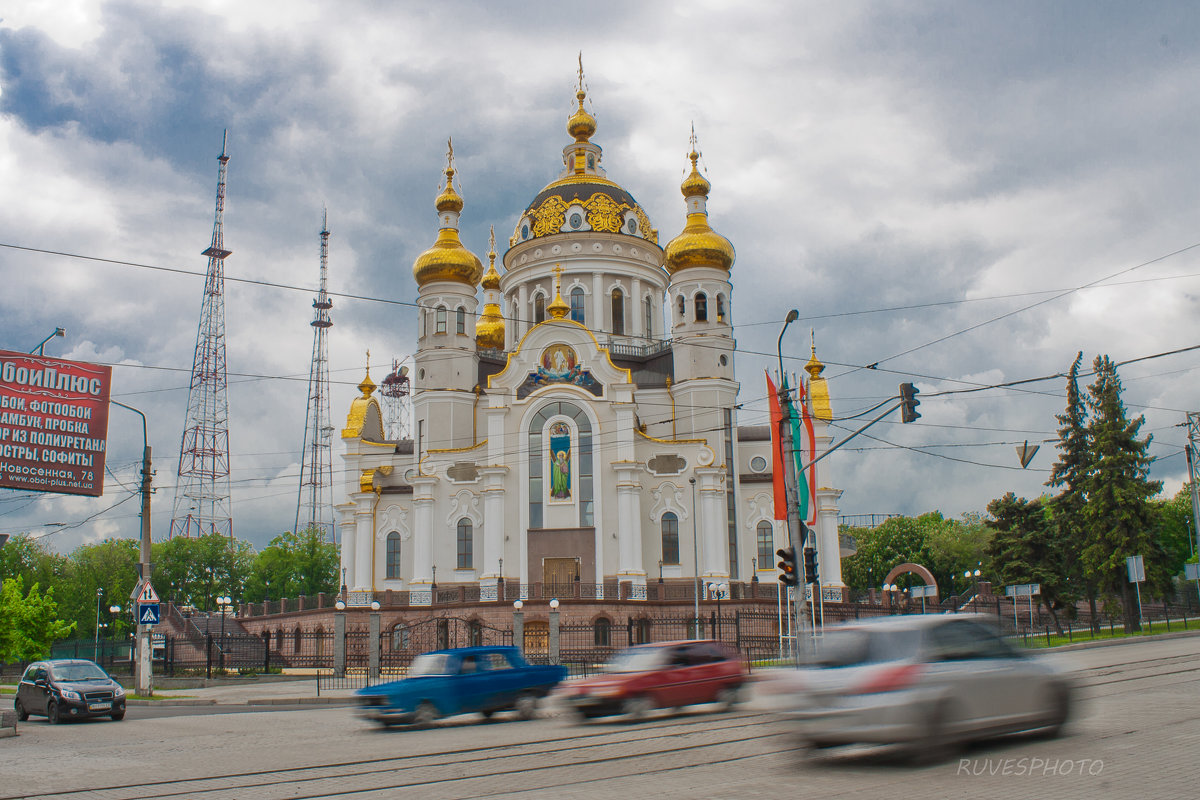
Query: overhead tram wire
x=1014, y=312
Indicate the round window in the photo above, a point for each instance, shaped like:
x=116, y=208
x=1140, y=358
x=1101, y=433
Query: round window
x=632, y=225
x=723, y=360
x=758, y=464
x=421, y=374
x=524, y=231
x=576, y=220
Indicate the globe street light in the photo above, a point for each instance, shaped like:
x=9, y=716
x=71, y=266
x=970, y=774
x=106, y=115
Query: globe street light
x=223, y=602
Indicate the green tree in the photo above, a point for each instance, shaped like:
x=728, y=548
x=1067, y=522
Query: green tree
x=303, y=563
x=1118, y=489
x=29, y=622
x=98, y=576
x=945, y=547
x=1026, y=549
x=195, y=571
x=1173, y=529
x=1067, y=509
x=26, y=556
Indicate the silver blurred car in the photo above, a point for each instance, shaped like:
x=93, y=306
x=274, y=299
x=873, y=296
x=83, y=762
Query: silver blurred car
x=928, y=682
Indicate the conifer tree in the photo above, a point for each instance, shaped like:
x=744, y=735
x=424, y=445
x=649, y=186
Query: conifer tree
x=1118, y=490
x=1069, y=475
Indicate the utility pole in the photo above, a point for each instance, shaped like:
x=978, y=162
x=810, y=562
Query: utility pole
x=144, y=663
x=797, y=533
x=1193, y=425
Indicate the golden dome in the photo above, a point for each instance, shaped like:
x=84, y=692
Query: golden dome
x=818, y=387
x=489, y=330
x=361, y=406
x=582, y=125
x=448, y=259
x=559, y=308
x=695, y=184
x=698, y=245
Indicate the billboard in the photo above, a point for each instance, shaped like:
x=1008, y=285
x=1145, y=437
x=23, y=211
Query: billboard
x=53, y=424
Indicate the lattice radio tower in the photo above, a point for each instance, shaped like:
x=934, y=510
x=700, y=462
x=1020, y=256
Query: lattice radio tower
x=397, y=402
x=316, y=477
x=202, y=489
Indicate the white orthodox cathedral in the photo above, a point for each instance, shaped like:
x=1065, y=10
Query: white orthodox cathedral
x=582, y=428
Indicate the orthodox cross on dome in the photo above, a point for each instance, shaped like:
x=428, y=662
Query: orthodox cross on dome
x=692, y=138
x=581, y=70
x=559, y=308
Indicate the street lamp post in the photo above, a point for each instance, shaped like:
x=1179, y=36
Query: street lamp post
x=696, y=564
x=96, y=644
x=795, y=525
x=223, y=602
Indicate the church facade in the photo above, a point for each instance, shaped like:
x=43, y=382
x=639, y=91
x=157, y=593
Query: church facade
x=581, y=428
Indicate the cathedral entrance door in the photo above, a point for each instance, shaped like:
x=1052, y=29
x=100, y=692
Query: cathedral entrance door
x=559, y=576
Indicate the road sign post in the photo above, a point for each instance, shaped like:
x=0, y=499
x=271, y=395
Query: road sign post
x=1137, y=574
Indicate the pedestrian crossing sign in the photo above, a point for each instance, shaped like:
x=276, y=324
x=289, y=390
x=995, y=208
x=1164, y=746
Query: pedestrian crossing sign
x=148, y=614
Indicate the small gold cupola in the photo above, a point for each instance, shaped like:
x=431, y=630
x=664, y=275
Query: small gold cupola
x=361, y=406
x=448, y=259
x=559, y=308
x=698, y=245
x=489, y=330
x=818, y=387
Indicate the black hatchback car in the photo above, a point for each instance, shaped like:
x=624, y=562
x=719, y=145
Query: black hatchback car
x=64, y=689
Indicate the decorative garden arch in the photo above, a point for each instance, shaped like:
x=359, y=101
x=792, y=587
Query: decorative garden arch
x=916, y=569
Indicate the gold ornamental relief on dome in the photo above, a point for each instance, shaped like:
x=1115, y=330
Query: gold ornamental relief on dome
x=648, y=231
x=548, y=217
x=604, y=213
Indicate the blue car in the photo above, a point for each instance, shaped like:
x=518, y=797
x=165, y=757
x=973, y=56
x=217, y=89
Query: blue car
x=461, y=681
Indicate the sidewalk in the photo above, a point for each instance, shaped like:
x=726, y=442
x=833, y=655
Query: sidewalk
x=295, y=692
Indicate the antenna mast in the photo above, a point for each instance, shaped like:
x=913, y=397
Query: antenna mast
x=397, y=402
x=202, y=489
x=316, y=477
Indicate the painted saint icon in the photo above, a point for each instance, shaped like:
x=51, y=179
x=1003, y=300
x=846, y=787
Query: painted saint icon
x=560, y=461
x=558, y=360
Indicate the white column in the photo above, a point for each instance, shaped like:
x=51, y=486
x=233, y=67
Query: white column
x=629, y=553
x=714, y=558
x=423, y=525
x=363, y=536
x=493, y=521
x=597, y=322
x=523, y=316
x=346, y=528
x=829, y=547
x=634, y=310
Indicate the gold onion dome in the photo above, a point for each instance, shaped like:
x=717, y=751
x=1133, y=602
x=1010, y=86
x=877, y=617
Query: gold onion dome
x=489, y=330
x=448, y=259
x=582, y=125
x=698, y=245
x=360, y=406
x=818, y=387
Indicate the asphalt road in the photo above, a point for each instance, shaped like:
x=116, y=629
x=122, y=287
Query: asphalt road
x=1136, y=736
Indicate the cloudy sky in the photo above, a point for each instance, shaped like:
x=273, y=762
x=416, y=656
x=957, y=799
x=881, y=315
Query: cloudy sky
x=961, y=193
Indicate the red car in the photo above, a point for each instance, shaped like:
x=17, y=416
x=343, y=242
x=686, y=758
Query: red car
x=663, y=675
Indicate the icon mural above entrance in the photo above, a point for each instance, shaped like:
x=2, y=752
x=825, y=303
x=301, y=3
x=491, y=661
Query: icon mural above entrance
x=560, y=462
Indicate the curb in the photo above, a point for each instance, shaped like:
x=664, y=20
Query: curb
x=1153, y=637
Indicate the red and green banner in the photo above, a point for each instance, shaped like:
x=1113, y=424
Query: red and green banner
x=803, y=451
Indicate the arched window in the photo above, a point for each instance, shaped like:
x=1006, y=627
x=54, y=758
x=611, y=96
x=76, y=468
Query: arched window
x=618, y=312
x=296, y=641
x=766, y=544
x=701, y=307
x=424, y=321
x=577, y=305
x=720, y=308
x=461, y=322
x=441, y=319
x=539, y=308
x=474, y=633
x=682, y=309
x=602, y=632
x=649, y=311
x=392, y=565
x=465, y=536
x=641, y=631
x=670, y=538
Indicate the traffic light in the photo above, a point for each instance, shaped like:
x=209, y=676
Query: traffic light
x=909, y=403
x=810, y=565
x=788, y=574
